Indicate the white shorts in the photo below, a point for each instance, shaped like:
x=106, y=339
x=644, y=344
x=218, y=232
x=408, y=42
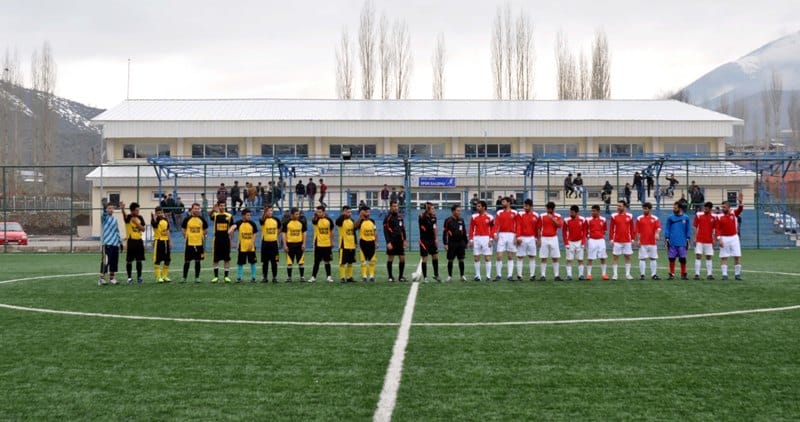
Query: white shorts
x=648, y=251
x=481, y=246
x=505, y=242
x=527, y=247
x=706, y=249
x=574, y=250
x=730, y=247
x=549, y=248
x=597, y=249
x=622, y=248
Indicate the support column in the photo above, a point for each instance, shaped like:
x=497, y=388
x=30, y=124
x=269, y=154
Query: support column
x=591, y=148
x=179, y=148
x=318, y=147
x=454, y=144
x=387, y=146
x=248, y=146
x=523, y=145
x=654, y=145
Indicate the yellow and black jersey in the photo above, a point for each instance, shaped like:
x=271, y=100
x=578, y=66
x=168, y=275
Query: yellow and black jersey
x=347, y=232
x=294, y=230
x=270, y=228
x=367, y=230
x=247, y=236
x=160, y=228
x=194, y=230
x=323, y=232
x=132, y=232
x=222, y=222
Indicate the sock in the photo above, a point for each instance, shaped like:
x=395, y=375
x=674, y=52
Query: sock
x=449, y=268
x=216, y=271
x=389, y=269
x=683, y=267
x=653, y=267
x=227, y=271
x=589, y=269
x=349, y=270
x=580, y=270
x=642, y=267
x=239, y=271
x=603, y=267
x=697, y=266
x=709, y=267
x=253, y=271
x=342, y=271
x=315, y=270
x=519, y=267
x=543, y=268
x=186, y=269
x=672, y=267
x=737, y=269
x=157, y=270
x=402, y=266
x=328, y=269
x=461, y=268
x=138, y=269
x=569, y=270
x=488, y=269
x=165, y=271
x=510, y=264
x=289, y=272
x=274, y=270
x=614, y=268
x=532, y=265
x=627, y=269
x=302, y=271
x=128, y=268
x=264, y=269
x=555, y=269
x=197, y=269
x=499, y=268
x=372, y=268
x=424, y=269
x=436, y=267
x=477, y=269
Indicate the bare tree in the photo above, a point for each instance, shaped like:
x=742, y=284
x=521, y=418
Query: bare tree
x=738, y=110
x=724, y=106
x=366, y=49
x=402, y=58
x=43, y=77
x=524, y=52
x=508, y=46
x=775, y=90
x=344, y=67
x=385, y=57
x=601, y=67
x=498, y=58
x=584, y=78
x=794, y=117
x=566, y=77
x=438, y=61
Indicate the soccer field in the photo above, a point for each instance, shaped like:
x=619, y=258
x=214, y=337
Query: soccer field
x=600, y=350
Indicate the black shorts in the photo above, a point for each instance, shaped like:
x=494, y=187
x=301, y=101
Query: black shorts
x=347, y=256
x=194, y=253
x=135, y=250
x=161, y=254
x=111, y=259
x=427, y=247
x=296, y=254
x=323, y=253
x=397, y=248
x=222, y=249
x=456, y=250
x=246, y=258
x=269, y=251
x=367, y=249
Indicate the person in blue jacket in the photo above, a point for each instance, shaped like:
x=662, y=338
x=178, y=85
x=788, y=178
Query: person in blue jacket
x=678, y=234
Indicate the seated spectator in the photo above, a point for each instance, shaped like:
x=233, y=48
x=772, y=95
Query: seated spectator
x=577, y=183
x=569, y=188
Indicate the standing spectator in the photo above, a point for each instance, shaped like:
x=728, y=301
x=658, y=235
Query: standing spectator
x=638, y=184
x=270, y=196
x=401, y=199
x=577, y=183
x=169, y=209
x=300, y=191
x=393, y=195
x=473, y=203
x=163, y=203
x=499, y=203
x=606, y=196
x=236, y=197
x=311, y=192
x=222, y=194
x=697, y=198
x=683, y=203
x=250, y=195
x=323, y=189
x=673, y=182
x=627, y=193
x=259, y=195
x=569, y=187
x=385, y=197
x=178, y=212
x=650, y=182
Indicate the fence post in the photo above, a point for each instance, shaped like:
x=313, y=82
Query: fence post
x=71, y=205
x=5, y=212
x=547, y=191
x=138, y=183
x=758, y=216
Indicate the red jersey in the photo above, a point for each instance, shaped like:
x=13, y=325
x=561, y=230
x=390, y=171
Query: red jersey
x=646, y=228
x=621, y=230
x=528, y=224
x=505, y=221
x=549, y=228
x=704, y=225
x=575, y=229
x=597, y=227
x=728, y=224
x=481, y=225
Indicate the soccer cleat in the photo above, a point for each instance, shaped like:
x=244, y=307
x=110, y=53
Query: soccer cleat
x=532, y=277
x=402, y=280
x=101, y=282
x=709, y=277
x=238, y=280
x=588, y=276
x=557, y=278
x=464, y=279
x=641, y=277
x=215, y=279
x=289, y=280
x=183, y=280
x=697, y=277
x=390, y=280
x=655, y=277
x=329, y=279
x=519, y=278
x=628, y=277
x=724, y=278
x=671, y=276
x=684, y=276
x=113, y=281
x=614, y=278
x=437, y=279
x=425, y=280
x=372, y=279
x=252, y=280
x=129, y=280
x=342, y=280
x=160, y=280
x=581, y=278
x=139, y=280
x=311, y=279
x=605, y=277
x=510, y=278
x=197, y=280
x=497, y=278
x=737, y=277
x=167, y=280
x=449, y=278
x=569, y=278
x=351, y=280
x=264, y=280
x=227, y=279
x=476, y=278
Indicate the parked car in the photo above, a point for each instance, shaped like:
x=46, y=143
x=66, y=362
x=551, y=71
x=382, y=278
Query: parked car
x=12, y=232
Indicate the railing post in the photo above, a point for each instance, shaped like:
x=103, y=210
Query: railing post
x=5, y=212
x=758, y=216
x=71, y=206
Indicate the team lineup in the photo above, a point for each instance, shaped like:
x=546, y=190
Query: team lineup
x=510, y=235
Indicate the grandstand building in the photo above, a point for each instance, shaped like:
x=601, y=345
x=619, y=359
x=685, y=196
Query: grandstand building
x=440, y=151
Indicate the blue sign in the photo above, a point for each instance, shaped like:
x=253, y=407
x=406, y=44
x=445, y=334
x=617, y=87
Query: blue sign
x=437, y=182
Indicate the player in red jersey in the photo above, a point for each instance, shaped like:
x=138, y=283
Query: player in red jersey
x=528, y=238
x=480, y=239
x=728, y=237
x=648, y=230
x=597, y=227
x=551, y=222
x=705, y=224
x=505, y=232
x=575, y=232
x=621, y=234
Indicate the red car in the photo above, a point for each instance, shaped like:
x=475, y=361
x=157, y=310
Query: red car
x=12, y=233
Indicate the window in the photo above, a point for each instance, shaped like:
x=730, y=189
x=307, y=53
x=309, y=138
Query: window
x=113, y=199
x=356, y=151
x=373, y=198
x=486, y=150
x=440, y=200
x=420, y=150
x=299, y=150
x=555, y=150
x=145, y=150
x=621, y=150
x=215, y=150
x=486, y=195
x=685, y=149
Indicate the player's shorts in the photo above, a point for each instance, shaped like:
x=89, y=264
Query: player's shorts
x=574, y=250
x=427, y=247
x=111, y=262
x=622, y=248
x=367, y=248
x=194, y=253
x=397, y=248
x=135, y=250
x=527, y=246
x=246, y=258
x=730, y=246
x=480, y=246
x=706, y=249
x=549, y=248
x=596, y=249
x=456, y=250
x=161, y=252
x=222, y=249
x=296, y=254
x=676, y=252
x=505, y=242
x=347, y=256
x=269, y=251
x=648, y=252
x=323, y=253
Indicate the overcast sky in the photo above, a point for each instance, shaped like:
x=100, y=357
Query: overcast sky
x=285, y=49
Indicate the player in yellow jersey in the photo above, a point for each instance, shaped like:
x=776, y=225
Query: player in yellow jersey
x=323, y=243
x=294, y=242
x=162, y=244
x=247, y=245
x=270, y=230
x=221, y=247
x=347, y=245
x=134, y=227
x=368, y=232
x=195, y=230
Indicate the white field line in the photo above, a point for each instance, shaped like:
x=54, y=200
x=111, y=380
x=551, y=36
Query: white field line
x=391, y=384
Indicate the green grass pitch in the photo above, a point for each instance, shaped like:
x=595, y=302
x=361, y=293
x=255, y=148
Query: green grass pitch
x=71, y=367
